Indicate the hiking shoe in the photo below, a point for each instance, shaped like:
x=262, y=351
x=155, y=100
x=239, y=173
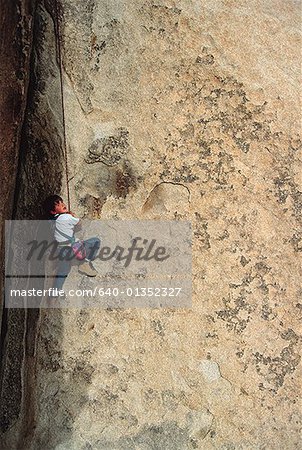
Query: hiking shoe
x=87, y=269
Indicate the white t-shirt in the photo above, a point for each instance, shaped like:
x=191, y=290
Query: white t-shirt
x=65, y=223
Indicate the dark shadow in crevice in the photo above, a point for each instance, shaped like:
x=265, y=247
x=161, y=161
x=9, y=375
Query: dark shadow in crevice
x=40, y=173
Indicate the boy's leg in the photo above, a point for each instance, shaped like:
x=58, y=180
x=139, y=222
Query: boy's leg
x=64, y=266
x=92, y=246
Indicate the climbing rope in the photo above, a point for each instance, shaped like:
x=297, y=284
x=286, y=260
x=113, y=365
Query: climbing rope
x=59, y=55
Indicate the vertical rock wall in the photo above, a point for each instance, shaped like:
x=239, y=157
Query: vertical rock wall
x=42, y=161
x=16, y=30
x=164, y=97
x=15, y=50
x=32, y=133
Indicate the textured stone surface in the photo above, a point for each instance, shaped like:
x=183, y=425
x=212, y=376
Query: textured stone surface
x=185, y=110
x=41, y=161
x=15, y=54
x=15, y=49
x=32, y=81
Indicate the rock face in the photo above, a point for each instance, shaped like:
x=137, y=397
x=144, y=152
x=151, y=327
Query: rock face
x=15, y=54
x=15, y=50
x=31, y=160
x=180, y=110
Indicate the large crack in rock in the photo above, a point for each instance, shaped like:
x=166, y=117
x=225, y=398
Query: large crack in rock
x=16, y=43
x=39, y=173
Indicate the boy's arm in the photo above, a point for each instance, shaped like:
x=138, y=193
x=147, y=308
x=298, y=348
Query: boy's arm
x=79, y=224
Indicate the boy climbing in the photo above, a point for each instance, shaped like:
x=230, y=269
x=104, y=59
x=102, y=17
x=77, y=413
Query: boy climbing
x=65, y=222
